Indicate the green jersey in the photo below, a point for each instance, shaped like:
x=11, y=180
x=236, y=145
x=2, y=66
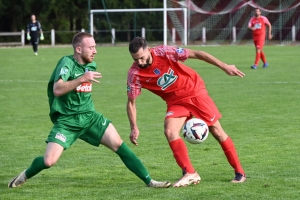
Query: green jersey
x=77, y=101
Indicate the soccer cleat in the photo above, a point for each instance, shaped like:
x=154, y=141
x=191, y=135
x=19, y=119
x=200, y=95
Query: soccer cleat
x=253, y=67
x=187, y=179
x=18, y=180
x=239, y=178
x=265, y=65
x=35, y=53
x=157, y=184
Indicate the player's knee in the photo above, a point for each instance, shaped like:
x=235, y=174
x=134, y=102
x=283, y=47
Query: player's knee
x=171, y=134
x=218, y=133
x=49, y=162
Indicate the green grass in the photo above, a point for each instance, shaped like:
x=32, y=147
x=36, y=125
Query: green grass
x=260, y=113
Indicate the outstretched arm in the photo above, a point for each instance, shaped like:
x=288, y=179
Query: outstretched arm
x=229, y=69
x=131, y=114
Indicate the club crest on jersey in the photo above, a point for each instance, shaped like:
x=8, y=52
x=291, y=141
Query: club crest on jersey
x=84, y=87
x=179, y=50
x=156, y=71
x=167, y=79
x=63, y=71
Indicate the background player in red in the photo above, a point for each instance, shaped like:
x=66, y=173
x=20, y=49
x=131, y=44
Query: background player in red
x=258, y=26
x=158, y=70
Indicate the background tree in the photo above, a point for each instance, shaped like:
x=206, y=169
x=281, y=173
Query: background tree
x=72, y=15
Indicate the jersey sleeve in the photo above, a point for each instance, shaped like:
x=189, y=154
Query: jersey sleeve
x=172, y=53
x=39, y=26
x=63, y=69
x=134, y=88
x=266, y=21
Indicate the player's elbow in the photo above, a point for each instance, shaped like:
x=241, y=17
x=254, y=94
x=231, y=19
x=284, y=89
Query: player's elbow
x=57, y=91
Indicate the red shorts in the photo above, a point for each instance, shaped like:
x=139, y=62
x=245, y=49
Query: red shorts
x=259, y=42
x=202, y=107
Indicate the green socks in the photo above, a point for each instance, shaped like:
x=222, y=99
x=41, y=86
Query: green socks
x=37, y=165
x=133, y=163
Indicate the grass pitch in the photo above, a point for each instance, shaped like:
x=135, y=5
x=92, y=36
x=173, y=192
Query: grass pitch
x=260, y=113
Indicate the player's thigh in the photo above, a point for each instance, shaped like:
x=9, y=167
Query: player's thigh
x=259, y=43
x=96, y=125
x=34, y=40
x=64, y=133
x=111, y=138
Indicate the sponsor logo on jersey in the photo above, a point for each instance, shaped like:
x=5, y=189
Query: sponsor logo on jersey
x=179, y=50
x=63, y=71
x=170, y=113
x=34, y=28
x=257, y=25
x=84, y=87
x=61, y=137
x=167, y=79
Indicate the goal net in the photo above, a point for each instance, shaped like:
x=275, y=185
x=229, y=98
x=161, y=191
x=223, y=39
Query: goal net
x=122, y=25
x=225, y=22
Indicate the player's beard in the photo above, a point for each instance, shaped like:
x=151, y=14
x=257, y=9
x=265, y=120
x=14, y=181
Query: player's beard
x=147, y=63
x=87, y=58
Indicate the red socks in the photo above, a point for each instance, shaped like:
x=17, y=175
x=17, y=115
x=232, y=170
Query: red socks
x=231, y=154
x=263, y=57
x=257, y=58
x=181, y=156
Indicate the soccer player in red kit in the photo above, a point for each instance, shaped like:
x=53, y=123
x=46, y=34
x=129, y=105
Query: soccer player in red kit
x=258, y=26
x=157, y=69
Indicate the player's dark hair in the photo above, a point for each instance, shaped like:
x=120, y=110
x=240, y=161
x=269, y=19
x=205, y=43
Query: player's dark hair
x=137, y=43
x=78, y=38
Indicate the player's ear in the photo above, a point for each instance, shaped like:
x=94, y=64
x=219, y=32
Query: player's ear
x=78, y=49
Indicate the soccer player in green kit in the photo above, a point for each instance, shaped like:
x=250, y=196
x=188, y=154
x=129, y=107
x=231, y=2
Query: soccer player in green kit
x=73, y=115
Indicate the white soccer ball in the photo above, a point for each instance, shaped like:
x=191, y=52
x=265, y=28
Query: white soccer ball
x=195, y=131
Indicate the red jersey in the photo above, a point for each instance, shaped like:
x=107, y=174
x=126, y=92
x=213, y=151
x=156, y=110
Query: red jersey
x=166, y=76
x=260, y=26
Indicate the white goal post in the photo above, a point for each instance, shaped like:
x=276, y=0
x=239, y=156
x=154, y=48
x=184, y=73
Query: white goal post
x=184, y=42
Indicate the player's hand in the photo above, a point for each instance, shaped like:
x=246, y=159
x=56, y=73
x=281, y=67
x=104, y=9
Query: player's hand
x=91, y=76
x=270, y=36
x=28, y=37
x=231, y=70
x=42, y=37
x=134, y=136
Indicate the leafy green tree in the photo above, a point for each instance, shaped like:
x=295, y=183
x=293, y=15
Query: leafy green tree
x=73, y=15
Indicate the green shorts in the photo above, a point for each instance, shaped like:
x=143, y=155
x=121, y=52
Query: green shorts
x=89, y=127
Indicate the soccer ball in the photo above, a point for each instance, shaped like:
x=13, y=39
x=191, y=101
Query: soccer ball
x=195, y=131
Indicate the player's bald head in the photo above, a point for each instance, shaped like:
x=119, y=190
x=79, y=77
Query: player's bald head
x=77, y=39
x=137, y=43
